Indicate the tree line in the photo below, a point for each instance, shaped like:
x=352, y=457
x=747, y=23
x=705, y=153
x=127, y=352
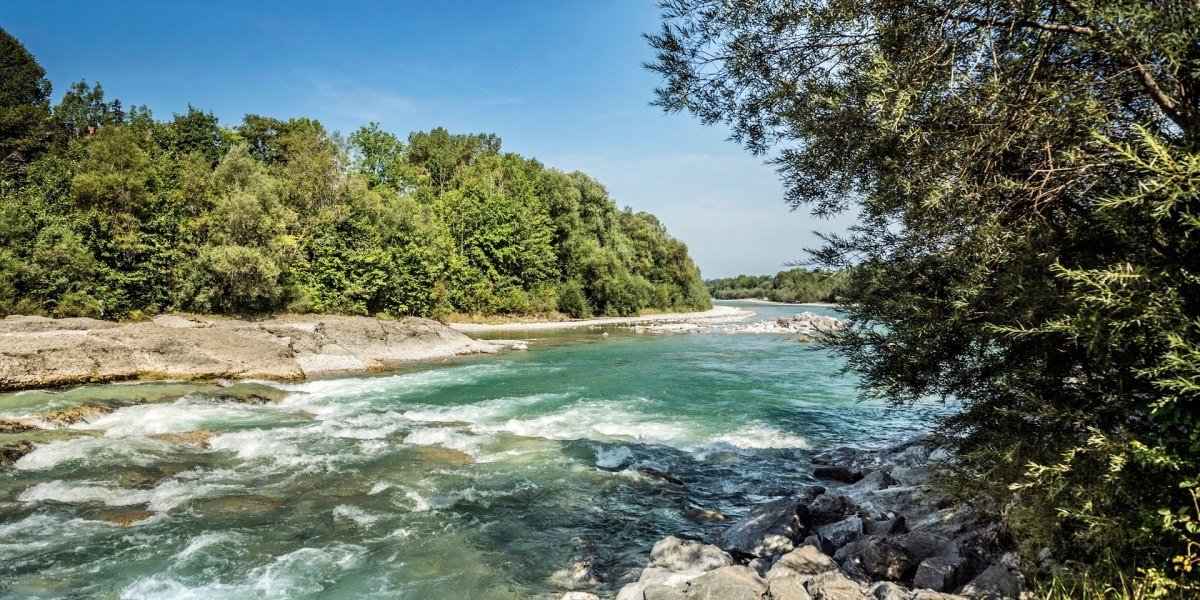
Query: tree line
x=794, y=285
x=1025, y=175
x=106, y=211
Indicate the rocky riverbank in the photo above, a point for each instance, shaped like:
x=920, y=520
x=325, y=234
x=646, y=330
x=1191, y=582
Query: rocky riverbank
x=42, y=352
x=874, y=529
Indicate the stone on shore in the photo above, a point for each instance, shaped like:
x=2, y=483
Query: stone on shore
x=42, y=352
x=771, y=528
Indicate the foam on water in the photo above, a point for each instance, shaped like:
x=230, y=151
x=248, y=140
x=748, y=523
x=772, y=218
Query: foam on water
x=611, y=458
x=161, y=498
x=446, y=437
x=186, y=414
x=303, y=572
x=93, y=451
x=354, y=514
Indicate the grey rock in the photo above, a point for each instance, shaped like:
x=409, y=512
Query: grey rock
x=886, y=590
x=921, y=545
x=932, y=595
x=727, y=583
x=662, y=592
x=997, y=582
x=838, y=473
x=855, y=572
x=842, y=532
x=802, y=565
x=760, y=565
x=771, y=528
x=834, y=586
x=938, y=573
x=787, y=589
x=677, y=554
x=879, y=558
x=889, y=526
x=827, y=508
x=579, y=596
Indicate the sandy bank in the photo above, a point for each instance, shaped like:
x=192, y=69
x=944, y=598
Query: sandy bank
x=715, y=315
x=41, y=352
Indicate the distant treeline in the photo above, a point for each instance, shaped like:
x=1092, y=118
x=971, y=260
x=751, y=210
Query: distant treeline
x=794, y=285
x=108, y=212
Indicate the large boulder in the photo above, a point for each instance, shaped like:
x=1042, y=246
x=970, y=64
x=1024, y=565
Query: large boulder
x=673, y=563
x=879, y=558
x=997, y=582
x=772, y=528
x=939, y=573
x=728, y=583
x=834, y=586
x=842, y=532
x=802, y=565
x=677, y=554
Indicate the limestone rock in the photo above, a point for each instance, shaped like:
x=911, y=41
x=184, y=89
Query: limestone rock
x=834, y=586
x=787, y=589
x=728, y=583
x=802, y=565
x=676, y=554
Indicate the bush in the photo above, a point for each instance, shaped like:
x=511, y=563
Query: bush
x=572, y=301
x=231, y=279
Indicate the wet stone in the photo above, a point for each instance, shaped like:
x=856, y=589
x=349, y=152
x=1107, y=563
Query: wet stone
x=123, y=516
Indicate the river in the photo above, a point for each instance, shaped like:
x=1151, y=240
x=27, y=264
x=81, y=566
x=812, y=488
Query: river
x=483, y=477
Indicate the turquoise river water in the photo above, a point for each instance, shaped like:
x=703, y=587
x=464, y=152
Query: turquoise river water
x=509, y=476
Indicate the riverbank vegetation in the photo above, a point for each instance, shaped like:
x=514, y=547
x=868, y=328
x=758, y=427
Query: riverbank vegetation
x=794, y=285
x=1028, y=243
x=106, y=211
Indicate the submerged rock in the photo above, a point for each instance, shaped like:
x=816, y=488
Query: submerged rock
x=123, y=516
x=700, y=515
x=15, y=427
x=13, y=451
x=199, y=437
x=653, y=473
x=77, y=414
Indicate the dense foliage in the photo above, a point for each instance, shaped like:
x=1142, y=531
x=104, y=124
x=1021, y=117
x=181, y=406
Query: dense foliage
x=1028, y=178
x=105, y=212
x=794, y=285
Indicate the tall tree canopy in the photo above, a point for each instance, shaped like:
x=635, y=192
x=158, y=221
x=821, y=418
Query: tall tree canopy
x=24, y=104
x=1026, y=172
x=119, y=214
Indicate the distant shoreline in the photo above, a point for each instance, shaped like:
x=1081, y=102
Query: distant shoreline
x=761, y=301
x=717, y=314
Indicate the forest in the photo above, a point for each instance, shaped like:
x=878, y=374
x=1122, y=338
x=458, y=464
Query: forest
x=794, y=285
x=109, y=212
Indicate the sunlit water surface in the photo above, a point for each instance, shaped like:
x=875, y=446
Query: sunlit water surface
x=486, y=477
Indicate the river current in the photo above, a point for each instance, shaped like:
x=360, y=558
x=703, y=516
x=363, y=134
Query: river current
x=509, y=476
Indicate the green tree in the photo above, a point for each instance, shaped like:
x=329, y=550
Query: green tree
x=24, y=105
x=1021, y=168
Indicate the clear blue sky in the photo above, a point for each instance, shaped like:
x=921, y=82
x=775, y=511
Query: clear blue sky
x=560, y=81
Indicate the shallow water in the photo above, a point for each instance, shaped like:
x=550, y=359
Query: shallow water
x=485, y=477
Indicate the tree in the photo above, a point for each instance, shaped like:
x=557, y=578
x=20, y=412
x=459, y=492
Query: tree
x=83, y=110
x=24, y=105
x=1025, y=176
